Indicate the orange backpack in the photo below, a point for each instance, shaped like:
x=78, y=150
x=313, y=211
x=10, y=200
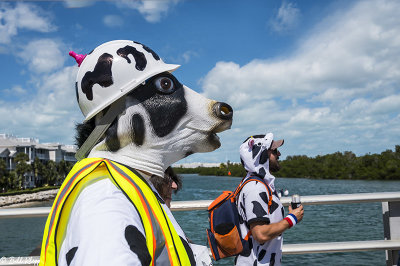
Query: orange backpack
x=224, y=237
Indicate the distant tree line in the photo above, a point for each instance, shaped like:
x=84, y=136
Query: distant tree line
x=346, y=165
x=45, y=173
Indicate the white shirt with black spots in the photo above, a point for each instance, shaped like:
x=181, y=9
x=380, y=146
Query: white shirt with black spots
x=97, y=227
x=253, y=207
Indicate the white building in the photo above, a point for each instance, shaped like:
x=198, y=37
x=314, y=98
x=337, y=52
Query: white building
x=11, y=145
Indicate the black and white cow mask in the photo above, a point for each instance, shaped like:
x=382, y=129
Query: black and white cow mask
x=254, y=156
x=163, y=120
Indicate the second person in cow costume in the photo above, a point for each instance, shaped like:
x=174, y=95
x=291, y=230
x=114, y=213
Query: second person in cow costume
x=139, y=119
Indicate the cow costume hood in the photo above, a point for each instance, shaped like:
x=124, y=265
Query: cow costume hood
x=254, y=156
x=138, y=114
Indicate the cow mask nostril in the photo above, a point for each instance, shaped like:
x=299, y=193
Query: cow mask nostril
x=223, y=111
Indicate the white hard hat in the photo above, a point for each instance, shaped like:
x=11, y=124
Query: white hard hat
x=112, y=70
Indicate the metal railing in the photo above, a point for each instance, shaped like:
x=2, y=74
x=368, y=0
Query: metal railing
x=391, y=220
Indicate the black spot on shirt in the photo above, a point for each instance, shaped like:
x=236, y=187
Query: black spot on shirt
x=140, y=58
x=283, y=211
x=70, y=255
x=274, y=206
x=264, y=197
x=100, y=75
x=261, y=254
x=272, y=260
x=138, y=129
x=258, y=210
x=165, y=110
x=262, y=172
x=255, y=263
x=241, y=219
x=137, y=244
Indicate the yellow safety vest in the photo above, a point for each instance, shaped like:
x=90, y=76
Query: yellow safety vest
x=158, y=228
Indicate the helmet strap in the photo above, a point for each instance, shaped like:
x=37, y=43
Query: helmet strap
x=115, y=109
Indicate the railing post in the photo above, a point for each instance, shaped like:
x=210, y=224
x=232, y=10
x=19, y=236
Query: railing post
x=391, y=229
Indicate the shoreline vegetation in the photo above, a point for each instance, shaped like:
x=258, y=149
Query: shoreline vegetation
x=338, y=165
x=346, y=165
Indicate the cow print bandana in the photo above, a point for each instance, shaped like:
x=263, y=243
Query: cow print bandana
x=254, y=157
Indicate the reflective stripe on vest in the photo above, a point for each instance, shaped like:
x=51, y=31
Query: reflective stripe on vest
x=158, y=228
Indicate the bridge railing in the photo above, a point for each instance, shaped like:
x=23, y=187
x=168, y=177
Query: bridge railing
x=390, y=210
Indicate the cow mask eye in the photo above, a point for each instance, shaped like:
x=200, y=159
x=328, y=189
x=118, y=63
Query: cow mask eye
x=165, y=85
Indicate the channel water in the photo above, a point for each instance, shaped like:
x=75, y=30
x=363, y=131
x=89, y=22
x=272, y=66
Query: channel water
x=321, y=223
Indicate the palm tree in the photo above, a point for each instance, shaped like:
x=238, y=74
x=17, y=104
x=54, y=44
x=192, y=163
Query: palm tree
x=37, y=168
x=3, y=175
x=21, y=167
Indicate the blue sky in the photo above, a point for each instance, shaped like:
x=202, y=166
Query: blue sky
x=323, y=75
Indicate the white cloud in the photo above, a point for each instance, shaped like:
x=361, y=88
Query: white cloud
x=341, y=84
x=77, y=3
x=22, y=16
x=286, y=18
x=113, y=21
x=15, y=90
x=42, y=56
x=50, y=113
x=151, y=10
x=183, y=58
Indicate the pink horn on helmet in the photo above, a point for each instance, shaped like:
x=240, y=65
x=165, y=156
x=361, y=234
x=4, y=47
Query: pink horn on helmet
x=78, y=57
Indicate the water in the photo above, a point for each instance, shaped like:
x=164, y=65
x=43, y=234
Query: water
x=321, y=223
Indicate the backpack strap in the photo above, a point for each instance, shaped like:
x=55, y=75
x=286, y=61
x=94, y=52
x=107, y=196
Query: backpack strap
x=255, y=178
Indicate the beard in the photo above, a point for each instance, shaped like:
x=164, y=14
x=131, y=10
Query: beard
x=274, y=166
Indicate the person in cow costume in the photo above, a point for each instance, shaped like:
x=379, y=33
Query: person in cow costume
x=262, y=218
x=139, y=119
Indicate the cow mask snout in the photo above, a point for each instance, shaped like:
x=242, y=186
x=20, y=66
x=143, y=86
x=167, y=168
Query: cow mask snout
x=223, y=110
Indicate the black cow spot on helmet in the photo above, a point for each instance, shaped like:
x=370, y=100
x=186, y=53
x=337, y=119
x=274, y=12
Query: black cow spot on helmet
x=70, y=255
x=140, y=58
x=156, y=57
x=137, y=244
x=258, y=210
x=100, y=75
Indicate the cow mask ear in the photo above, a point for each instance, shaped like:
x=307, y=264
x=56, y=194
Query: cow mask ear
x=251, y=143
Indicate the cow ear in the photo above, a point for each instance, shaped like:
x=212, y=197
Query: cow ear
x=251, y=143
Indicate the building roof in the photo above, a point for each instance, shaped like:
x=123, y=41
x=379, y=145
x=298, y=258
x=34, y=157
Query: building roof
x=10, y=141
